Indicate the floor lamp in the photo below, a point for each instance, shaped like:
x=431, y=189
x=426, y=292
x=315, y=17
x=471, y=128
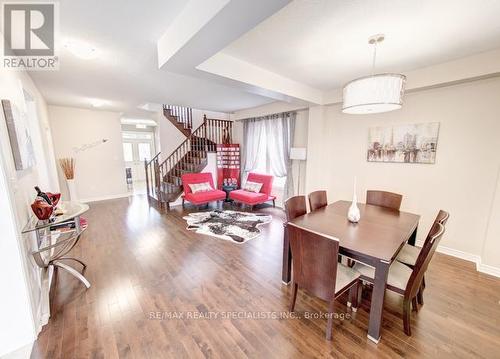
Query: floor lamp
x=298, y=154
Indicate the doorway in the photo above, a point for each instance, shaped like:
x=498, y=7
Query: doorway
x=137, y=148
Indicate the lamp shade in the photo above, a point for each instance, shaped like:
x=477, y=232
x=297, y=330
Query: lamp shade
x=374, y=94
x=298, y=153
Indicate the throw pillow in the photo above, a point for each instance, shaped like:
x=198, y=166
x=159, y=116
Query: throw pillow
x=252, y=187
x=200, y=187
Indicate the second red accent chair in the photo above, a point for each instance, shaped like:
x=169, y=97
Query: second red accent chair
x=252, y=198
x=203, y=197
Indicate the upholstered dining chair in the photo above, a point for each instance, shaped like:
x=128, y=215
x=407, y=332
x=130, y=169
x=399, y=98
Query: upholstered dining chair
x=317, y=200
x=409, y=254
x=384, y=199
x=316, y=270
x=404, y=280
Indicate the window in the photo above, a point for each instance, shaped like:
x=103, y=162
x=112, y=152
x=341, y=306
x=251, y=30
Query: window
x=144, y=151
x=128, y=153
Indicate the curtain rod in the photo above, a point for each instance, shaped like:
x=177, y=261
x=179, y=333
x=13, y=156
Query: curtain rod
x=272, y=114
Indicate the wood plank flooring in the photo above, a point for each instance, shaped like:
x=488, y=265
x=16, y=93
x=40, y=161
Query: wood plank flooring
x=160, y=291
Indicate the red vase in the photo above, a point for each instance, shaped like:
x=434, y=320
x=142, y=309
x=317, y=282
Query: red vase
x=42, y=209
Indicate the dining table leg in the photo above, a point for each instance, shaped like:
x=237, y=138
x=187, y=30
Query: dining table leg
x=286, y=272
x=413, y=237
x=377, y=305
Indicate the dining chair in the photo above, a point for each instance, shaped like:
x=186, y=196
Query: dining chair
x=316, y=270
x=384, y=199
x=317, y=200
x=409, y=254
x=295, y=207
x=404, y=280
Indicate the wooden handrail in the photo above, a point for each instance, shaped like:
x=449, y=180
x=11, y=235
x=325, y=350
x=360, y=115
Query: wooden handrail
x=154, y=158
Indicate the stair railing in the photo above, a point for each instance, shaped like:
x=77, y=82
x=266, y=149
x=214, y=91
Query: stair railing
x=153, y=182
x=184, y=114
x=164, y=178
x=218, y=131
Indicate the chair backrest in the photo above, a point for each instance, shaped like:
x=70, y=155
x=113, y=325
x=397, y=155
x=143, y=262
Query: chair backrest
x=295, y=207
x=315, y=262
x=424, y=258
x=317, y=200
x=196, y=178
x=266, y=180
x=442, y=217
x=384, y=199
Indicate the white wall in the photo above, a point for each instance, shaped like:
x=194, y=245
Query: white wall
x=100, y=170
x=23, y=304
x=462, y=181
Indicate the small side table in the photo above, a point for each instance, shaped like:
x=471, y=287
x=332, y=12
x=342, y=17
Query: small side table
x=54, y=243
x=228, y=189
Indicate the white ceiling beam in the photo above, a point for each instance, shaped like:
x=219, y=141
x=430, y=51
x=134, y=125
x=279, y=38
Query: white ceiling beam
x=192, y=19
x=205, y=27
x=268, y=82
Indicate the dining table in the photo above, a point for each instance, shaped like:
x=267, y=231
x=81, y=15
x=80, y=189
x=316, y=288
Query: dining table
x=375, y=241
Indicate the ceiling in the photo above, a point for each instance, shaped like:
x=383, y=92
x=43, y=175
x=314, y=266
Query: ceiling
x=126, y=73
x=323, y=43
x=227, y=55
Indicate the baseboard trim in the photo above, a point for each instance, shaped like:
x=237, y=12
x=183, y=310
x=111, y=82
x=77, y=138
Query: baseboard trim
x=487, y=269
x=474, y=258
x=105, y=198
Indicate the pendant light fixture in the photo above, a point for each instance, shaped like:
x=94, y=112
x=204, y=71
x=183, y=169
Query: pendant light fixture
x=375, y=93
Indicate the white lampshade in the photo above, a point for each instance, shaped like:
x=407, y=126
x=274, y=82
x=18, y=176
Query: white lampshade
x=374, y=94
x=298, y=153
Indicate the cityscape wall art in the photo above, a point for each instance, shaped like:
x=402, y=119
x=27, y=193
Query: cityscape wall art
x=407, y=143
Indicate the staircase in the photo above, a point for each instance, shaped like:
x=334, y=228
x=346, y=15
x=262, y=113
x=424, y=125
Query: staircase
x=163, y=178
x=180, y=117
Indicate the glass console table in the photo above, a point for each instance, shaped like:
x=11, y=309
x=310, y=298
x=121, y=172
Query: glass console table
x=57, y=236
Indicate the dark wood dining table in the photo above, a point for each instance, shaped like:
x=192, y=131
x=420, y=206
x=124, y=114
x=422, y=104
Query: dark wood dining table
x=375, y=240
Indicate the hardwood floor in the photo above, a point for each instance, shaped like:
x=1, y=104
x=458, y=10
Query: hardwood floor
x=151, y=277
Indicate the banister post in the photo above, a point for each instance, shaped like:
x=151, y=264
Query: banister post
x=158, y=183
x=147, y=178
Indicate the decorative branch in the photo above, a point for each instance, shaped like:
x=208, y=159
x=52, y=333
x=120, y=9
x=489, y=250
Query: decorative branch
x=68, y=167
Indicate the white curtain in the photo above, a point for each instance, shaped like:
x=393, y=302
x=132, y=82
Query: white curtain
x=266, y=144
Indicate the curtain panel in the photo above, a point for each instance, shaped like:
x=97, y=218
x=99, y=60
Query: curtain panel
x=269, y=139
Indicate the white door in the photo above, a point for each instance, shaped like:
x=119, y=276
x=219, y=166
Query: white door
x=137, y=147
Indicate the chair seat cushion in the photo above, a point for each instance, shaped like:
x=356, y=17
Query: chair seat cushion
x=248, y=197
x=408, y=254
x=205, y=197
x=345, y=276
x=398, y=277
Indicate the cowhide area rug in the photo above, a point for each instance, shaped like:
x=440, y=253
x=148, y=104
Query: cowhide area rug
x=234, y=226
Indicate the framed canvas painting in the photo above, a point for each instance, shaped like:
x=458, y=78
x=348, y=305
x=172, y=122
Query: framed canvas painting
x=409, y=143
x=19, y=136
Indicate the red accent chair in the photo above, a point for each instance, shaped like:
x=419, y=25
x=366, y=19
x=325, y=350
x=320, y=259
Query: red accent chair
x=200, y=198
x=252, y=198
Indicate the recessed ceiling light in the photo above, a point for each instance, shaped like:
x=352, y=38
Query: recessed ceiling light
x=98, y=103
x=81, y=49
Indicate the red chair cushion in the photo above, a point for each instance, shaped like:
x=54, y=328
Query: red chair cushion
x=248, y=197
x=205, y=197
x=266, y=180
